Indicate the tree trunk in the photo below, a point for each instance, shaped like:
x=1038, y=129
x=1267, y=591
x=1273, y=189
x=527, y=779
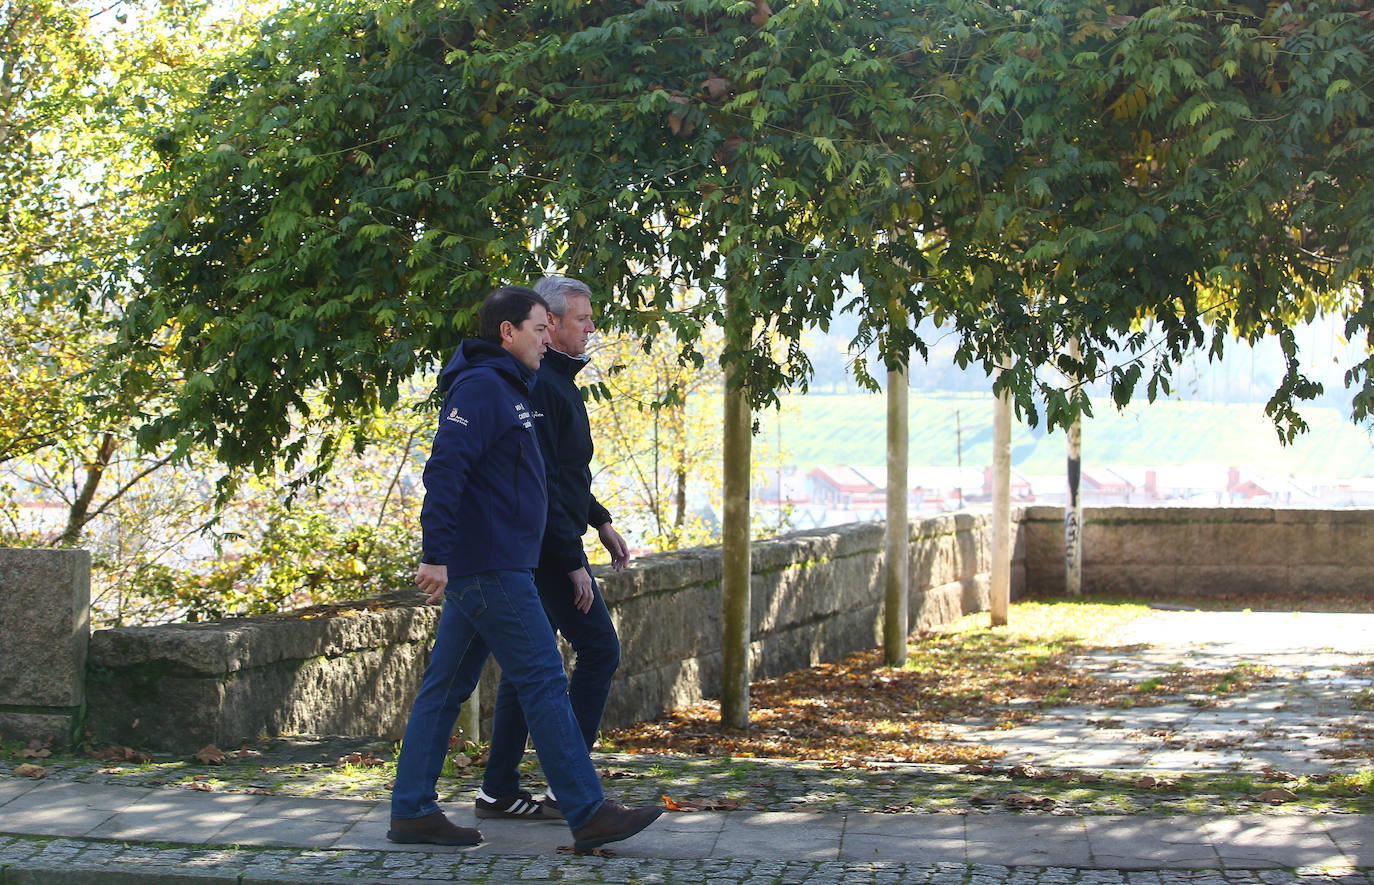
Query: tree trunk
x=1001, y=508
x=1073, y=508
x=896, y=613
x=680, y=514
x=79, y=513
x=735, y=545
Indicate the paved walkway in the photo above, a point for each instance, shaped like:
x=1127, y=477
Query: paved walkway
x=72, y=832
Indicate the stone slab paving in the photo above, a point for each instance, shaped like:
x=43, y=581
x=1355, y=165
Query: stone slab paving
x=1293, y=722
x=75, y=827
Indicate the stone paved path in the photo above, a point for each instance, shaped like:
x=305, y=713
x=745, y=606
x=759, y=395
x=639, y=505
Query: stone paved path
x=80, y=826
x=1303, y=720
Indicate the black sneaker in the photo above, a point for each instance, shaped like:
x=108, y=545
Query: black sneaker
x=521, y=806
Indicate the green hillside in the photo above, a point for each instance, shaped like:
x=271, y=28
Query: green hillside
x=850, y=429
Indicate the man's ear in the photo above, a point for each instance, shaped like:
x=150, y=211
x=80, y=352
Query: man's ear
x=507, y=330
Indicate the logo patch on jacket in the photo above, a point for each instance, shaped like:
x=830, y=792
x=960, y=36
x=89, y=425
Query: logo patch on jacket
x=522, y=413
x=454, y=416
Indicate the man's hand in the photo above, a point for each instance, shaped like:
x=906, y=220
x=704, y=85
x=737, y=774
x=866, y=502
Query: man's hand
x=614, y=544
x=432, y=579
x=582, y=589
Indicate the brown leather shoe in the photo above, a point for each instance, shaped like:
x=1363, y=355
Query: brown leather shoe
x=434, y=829
x=613, y=822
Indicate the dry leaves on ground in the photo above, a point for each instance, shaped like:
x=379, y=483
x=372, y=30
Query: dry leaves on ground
x=857, y=708
x=701, y=804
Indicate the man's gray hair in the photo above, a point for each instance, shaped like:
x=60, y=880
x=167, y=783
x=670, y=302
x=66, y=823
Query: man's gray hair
x=557, y=290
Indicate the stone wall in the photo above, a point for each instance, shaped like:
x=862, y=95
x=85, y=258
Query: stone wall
x=1145, y=552
x=45, y=599
x=816, y=596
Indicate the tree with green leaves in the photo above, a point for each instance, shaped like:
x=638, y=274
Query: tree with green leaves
x=1146, y=179
x=82, y=90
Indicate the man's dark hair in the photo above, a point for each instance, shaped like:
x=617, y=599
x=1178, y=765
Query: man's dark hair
x=507, y=304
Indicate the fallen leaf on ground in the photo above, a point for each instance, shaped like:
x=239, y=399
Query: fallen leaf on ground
x=28, y=770
x=590, y=852
x=1089, y=777
x=1028, y=771
x=1219, y=743
x=210, y=755
x=979, y=768
x=36, y=754
x=612, y=773
x=460, y=760
x=1270, y=773
x=1277, y=795
x=116, y=753
x=202, y=787
x=366, y=760
x=1026, y=800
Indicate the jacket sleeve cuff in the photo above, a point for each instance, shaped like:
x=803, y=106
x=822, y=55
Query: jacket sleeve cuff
x=565, y=558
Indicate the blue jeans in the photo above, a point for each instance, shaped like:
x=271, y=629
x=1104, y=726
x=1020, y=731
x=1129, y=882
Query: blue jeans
x=593, y=638
x=496, y=611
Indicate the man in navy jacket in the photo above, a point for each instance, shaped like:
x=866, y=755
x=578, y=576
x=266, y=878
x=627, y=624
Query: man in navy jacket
x=483, y=520
x=566, y=586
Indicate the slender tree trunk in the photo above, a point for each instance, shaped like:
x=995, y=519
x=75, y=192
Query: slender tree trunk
x=896, y=614
x=1073, y=508
x=735, y=546
x=680, y=514
x=1001, y=508
x=79, y=513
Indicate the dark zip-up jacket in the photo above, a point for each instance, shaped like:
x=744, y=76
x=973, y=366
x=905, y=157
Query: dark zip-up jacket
x=485, y=499
x=565, y=437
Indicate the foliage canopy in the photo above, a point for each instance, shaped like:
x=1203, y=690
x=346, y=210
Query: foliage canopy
x=1144, y=177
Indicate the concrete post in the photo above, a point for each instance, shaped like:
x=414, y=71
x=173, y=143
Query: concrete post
x=45, y=603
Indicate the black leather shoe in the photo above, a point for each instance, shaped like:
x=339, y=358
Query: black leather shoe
x=613, y=822
x=434, y=829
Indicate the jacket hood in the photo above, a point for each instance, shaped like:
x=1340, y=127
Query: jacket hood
x=474, y=352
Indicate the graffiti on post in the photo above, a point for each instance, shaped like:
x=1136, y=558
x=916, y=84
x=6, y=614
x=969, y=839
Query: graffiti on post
x=1073, y=538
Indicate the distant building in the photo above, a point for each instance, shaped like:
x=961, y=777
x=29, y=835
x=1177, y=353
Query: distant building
x=844, y=488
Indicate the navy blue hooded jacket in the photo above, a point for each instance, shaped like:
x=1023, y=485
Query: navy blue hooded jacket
x=485, y=499
x=565, y=438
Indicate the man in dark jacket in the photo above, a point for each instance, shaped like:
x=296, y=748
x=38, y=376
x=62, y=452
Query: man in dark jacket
x=566, y=586
x=483, y=519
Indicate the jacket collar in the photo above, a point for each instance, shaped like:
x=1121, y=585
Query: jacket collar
x=563, y=364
